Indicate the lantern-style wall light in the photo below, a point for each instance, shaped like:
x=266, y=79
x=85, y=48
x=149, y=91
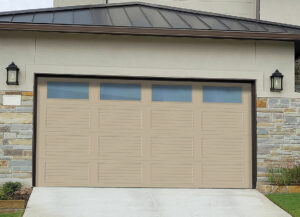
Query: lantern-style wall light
x=12, y=74
x=276, y=81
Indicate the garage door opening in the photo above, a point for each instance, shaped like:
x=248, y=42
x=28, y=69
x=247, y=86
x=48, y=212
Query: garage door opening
x=143, y=133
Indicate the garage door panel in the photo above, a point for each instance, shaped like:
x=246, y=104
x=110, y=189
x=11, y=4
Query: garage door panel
x=174, y=106
x=172, y=119
x=67, y=172
x=172, y=147
x=244, y=105
x=67, y=146
x=68, y=117
x=120, y=173
x=223, y=174
x=120, y=118
x=163, y=173
x=133, y=138
x=120, y=146
x=219, y=120
x=232, y=148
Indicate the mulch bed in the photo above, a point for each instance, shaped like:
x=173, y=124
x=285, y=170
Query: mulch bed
x=23, y=194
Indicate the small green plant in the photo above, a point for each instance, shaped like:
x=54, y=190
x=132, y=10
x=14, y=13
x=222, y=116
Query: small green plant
x=3, y=196
x=8, y=189
x=285, y=176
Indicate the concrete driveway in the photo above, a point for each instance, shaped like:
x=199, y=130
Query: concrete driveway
x=132, y=202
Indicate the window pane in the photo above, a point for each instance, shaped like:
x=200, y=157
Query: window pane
x=68, y=90
x=120, y=92
x=171, y=93
x=222, y=94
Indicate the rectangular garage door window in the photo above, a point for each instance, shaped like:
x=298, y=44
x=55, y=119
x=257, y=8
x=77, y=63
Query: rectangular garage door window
x=171, y=93
x=222, y=94
x=67, y=90
x=120, y=92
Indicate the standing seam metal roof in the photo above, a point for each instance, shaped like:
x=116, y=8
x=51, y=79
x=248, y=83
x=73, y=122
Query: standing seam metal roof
x=143, y=15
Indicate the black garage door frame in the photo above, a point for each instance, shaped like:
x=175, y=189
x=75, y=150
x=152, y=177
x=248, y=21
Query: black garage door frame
x=253, y=109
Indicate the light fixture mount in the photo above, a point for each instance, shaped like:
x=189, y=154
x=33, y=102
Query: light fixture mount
x=12, y=74
x=276, y=81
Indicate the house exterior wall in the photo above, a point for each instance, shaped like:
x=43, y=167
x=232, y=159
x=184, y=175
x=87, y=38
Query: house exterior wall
x=277, y=11
x=147, y=56
x=243, y=8
x=270, y=10
x=63, y=3
x=58, y=53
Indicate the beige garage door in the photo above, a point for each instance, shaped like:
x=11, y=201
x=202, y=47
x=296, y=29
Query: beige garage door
x=120, y=133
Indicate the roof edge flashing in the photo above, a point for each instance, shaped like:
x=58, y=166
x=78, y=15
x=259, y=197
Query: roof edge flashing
x=149, y=31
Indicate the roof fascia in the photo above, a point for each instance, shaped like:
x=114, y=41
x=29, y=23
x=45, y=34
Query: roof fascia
x=149, y=31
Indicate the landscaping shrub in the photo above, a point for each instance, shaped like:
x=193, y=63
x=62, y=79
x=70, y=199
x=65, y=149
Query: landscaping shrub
x=8, y=189
x=285, y=176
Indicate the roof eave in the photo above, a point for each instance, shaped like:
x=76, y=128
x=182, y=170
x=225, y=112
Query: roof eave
x=149, y=31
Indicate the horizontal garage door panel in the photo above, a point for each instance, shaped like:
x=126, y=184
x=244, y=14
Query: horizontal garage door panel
x=112, y=118
x=67, y=116
x=67, y=173
x=223, y=148
x=172, y=146
x=67, y=146
x=172, y=119
x=120, y=173
x=120, y=146
x=172, y=173
x=222, y=120
x=229, y=174
x=171, y=137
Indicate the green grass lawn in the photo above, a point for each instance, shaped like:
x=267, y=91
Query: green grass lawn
x=288, y=202
x=16, y=214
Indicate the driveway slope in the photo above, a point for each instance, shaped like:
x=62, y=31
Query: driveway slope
x=141, y=202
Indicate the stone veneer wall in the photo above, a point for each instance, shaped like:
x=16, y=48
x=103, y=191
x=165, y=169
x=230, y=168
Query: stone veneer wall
x=16, y=139
x=278, y=134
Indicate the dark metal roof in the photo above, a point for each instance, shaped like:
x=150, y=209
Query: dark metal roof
x=144, y=19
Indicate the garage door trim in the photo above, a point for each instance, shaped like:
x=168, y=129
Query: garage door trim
x=253, y=110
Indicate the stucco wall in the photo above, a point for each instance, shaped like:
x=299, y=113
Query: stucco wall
x=147, y=56
x=62, y=3
x=287, y=11
x=244, y=8
x=272, y=10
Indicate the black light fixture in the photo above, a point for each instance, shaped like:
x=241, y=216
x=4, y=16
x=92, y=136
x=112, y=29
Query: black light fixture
x=276, y=81
x=12, y=74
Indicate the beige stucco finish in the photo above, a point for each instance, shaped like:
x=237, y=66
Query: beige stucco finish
x=270, y=10
x=144, y=143
x=243, y=8
x=63, y=3
x=287, y=11
x=58, y=53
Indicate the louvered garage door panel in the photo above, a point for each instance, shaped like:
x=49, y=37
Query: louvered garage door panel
x=149, y=134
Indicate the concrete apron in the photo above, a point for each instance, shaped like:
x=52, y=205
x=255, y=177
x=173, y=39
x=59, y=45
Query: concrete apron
x=141, y=202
